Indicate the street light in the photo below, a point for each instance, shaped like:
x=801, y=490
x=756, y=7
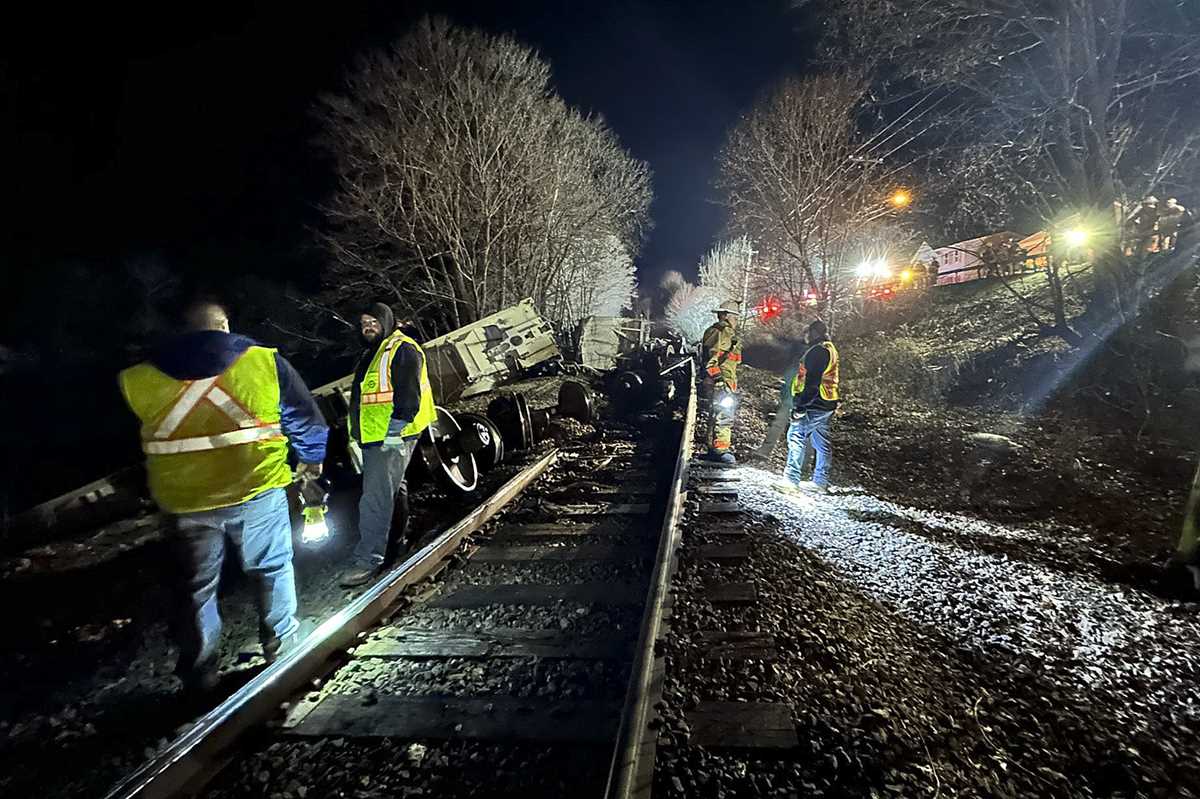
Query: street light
x=1076, y=237
x=900, y=198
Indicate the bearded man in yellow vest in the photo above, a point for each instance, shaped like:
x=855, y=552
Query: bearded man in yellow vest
x=391, y=402
x=815, y=397
x=217, y=413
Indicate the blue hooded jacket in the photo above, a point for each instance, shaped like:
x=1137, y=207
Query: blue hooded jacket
x=207, y=353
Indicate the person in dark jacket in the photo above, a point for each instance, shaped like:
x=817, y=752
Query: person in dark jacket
x=815, y=397
x=218, y=412
x=391, y=402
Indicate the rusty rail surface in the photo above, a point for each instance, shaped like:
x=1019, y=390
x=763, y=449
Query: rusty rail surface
x=187, y=764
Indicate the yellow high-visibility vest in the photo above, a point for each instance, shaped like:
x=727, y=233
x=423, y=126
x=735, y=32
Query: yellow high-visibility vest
x=376, y=392
x=829, y=378
x=213, y=442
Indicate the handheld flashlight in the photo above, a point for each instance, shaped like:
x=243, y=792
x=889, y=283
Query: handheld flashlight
x=314, y=495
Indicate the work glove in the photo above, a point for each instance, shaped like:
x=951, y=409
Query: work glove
x=393, y=439
x=308, y=471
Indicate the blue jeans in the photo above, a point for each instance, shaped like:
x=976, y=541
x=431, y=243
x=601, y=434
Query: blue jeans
x=815, y=426
x=260, y=529
x=383, y=486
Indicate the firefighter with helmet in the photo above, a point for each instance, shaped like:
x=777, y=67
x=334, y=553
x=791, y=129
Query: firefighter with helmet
x=722, y=352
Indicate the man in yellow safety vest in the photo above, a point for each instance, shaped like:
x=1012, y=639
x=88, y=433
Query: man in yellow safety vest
x=217, y=412
x=814, y=399
x=391, y=402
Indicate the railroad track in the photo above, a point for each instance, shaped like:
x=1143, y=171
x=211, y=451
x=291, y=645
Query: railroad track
x=535, y=647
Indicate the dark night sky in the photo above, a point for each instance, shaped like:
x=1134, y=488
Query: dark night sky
x=184, y=136
x=187, y=132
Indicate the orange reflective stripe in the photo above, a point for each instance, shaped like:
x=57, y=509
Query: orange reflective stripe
x=714, y=370
x=736, y=357
x=377, y=398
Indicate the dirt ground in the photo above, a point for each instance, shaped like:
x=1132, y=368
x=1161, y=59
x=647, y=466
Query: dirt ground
x=1115, y=508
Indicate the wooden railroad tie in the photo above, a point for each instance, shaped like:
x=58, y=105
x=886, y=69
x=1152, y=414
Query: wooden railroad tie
x=507, y=554
x=721, y=507
x=732, y=554
x=742, y=725
x=737, y=594
x=498, y=718
x=721, y=645
x=510, y=531
x=641, y=489
x=724, y=492
x=478, y=596
x=605, y=509
x=502, y=642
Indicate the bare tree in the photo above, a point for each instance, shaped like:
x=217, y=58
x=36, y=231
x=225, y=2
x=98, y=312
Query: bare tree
x=690, y=310
x=466, y=184
x=597, y=280
x=1069, y=106
x=726, y=267
x=803, y=184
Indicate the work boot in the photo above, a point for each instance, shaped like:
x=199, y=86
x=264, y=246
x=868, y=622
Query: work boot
x=814, y=488
x=200, y=685
x=359, y=575
x=276, y=648
x=788, y=488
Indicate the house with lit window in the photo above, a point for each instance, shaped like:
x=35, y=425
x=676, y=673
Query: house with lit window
x=960, y=262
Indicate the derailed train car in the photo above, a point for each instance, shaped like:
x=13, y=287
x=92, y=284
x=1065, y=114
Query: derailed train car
x=471, y=360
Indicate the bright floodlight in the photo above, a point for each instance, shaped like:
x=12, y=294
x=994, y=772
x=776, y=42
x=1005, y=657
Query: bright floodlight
x=1077, y=237
x=876, y=269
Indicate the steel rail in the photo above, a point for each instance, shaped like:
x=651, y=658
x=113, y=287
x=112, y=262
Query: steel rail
x=631, y=772
x=194, y=757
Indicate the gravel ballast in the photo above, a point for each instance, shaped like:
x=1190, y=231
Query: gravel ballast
x=925, y=654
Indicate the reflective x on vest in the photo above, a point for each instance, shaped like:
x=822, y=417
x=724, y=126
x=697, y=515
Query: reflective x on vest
x=196, y=391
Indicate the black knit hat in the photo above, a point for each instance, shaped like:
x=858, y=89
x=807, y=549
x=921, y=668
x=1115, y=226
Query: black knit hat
x=382, y=313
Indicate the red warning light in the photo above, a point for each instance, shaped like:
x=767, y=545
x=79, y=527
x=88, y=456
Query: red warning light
x=768, y=309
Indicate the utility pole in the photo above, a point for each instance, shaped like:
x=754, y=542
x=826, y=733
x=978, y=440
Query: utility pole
x=750, y=253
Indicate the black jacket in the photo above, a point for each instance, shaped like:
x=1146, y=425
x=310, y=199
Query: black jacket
x=816, y=361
